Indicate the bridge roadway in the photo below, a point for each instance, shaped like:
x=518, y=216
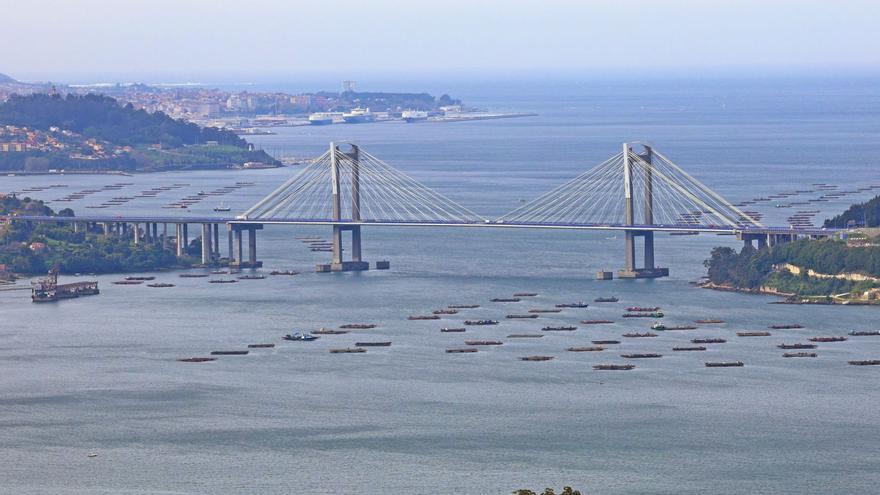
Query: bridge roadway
x=717, y=229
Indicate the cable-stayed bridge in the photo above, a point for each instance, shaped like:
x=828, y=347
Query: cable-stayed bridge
x=638, y=191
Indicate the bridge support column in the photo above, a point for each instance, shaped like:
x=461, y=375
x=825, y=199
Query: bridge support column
x=238, y=260
x=155, y=232
x=216, y=241
x=252, y=247
x=136, y=232
x=181, y=246
x=164, y=236
x=229, y=236
x=185, y=236
x=237, y=257
x=649, y=270
x=206, y=243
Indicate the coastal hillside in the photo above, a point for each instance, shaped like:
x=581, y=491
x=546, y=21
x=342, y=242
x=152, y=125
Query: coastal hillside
x=865, y=214
x=801, y=268
x=35, y=249
x=93, y=132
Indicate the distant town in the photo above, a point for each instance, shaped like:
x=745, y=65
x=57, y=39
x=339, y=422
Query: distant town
x=253, y=113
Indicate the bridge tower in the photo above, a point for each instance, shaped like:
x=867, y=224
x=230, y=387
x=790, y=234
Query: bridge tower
x=338, y=264
x=649, y=270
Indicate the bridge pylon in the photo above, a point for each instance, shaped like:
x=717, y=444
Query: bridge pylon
x=338, y=264
x=649, y=270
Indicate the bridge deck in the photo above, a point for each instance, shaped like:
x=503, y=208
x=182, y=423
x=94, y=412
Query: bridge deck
x=486, y=224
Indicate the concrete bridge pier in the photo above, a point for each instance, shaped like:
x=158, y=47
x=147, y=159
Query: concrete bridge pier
x=216, y=241
x=164, y=236
x=155, y=233
x=238, y=260
x=136, y=232
x=181, y=247
x=207, y=251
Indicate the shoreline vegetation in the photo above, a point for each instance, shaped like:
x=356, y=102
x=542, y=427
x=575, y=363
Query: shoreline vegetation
x=34, y=250
x=47, y=132
x=806, y=271
x=825, y=271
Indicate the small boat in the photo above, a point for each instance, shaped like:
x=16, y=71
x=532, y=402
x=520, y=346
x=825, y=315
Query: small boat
x=329, y=331
x=545, y=311
x=613, y=367
x=752, y=334
x=708, y=341
x=606, y=299
x=196, y=359
x=348, y=350
x=525, y=336
x=868, y=362
x=222, y=281
x=800, y=354
x=261, y=346
x=578, y=304
x=642, y=355
x=452, y=330
x=128, y=282
x=586, y=349
x=301, y=337
x=252, y=277
x=284, y=272
x=639, y=309
x=373, y=344
x=445, y=311
x=708, y=321
x=140, y=278
x=786, y=326
x=864, y=333
x=221, y=207
x=522, y=316
x=596, y=322
x=506, y=299
x=536, y=358
x=637, y=334
x=724, y=364
x=229, y=353
x=423, y=317
x=461, y=351
x=689, y=348
x=565, y=328
x=483, y=342
x=604, y=342
x=358, y=326
x=525, y=294
x=160, y=284
x=480, y=322
x=463, y=306
x=219, y=272
x=827, y=339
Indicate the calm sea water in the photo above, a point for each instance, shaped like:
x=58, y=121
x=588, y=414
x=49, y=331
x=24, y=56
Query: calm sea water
x=98, y=374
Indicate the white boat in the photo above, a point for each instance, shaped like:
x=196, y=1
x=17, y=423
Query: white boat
x=321, y=118
x=358, y=116
x=411, y=116
x=221, y=207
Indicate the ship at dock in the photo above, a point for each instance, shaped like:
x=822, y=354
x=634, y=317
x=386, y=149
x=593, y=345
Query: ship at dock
x=323, y=118
x=358, y=116
x=412, y=116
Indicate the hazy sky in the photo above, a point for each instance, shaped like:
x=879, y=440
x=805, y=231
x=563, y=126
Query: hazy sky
x=199, y=39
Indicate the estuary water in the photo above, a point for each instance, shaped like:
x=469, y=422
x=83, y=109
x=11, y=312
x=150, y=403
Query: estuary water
x=99, y=374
